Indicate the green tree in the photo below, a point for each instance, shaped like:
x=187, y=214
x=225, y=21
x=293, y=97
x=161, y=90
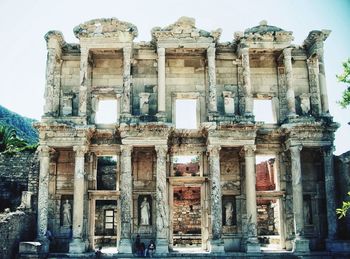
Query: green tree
x=346, y=206
x=345, y=78
x=9, y=142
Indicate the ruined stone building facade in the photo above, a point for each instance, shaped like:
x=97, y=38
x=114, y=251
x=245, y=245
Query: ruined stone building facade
x=224, y=180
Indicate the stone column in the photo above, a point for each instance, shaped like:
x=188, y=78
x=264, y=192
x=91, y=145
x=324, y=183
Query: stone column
x=216, y=199
x=322, y=82
x=287, y=60
x=127, y=51
x=212, y=105
x=248, y=110
x=125, y=245
x=330, y=192
x=77, y=245
x=84, y=81
x=162, y=209
x=300, y=243
x=315, y=99
x=43, y=196
x=250, y=182
x=161, y=81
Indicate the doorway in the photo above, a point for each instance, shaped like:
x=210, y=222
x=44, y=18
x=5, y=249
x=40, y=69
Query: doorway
x=187, y=217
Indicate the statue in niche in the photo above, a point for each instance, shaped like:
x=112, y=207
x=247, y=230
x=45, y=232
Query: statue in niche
x=67, y=221
x=145, y=212
x=228, y=213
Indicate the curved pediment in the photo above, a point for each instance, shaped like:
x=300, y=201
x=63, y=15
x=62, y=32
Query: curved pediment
x=105, y=27
x=184, y=29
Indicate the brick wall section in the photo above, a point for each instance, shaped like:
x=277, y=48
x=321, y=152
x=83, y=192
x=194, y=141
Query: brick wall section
x=18, y=172
x=15, y=227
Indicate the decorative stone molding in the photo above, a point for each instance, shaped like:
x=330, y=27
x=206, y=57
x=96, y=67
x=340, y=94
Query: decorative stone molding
x=184, y=28
x=105, y=27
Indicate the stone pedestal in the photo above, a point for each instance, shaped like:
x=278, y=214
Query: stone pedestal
x=253, y=245
x=125, y=244
x=301, y=245
x=217, y=246
x=77, y=246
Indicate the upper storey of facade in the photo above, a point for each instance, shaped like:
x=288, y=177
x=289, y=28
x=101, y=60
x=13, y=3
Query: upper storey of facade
x=184, y=67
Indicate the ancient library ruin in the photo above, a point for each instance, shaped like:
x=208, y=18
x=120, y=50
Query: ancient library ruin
x=187, y=158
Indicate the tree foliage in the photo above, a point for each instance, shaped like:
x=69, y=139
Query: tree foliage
x=345, y=207
x=9, y=142
x=345, y=78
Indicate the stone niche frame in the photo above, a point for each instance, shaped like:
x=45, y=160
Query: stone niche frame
x=274, y=104
x=189, y=96
x=104, y=94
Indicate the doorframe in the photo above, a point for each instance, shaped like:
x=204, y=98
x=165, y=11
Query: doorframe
x=202, y=183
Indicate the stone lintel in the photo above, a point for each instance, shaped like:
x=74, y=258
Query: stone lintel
x=144, y=141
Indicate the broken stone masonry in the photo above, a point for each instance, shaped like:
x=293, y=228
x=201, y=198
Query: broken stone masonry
x=102, y=184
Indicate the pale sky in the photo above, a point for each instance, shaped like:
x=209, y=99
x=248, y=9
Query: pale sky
x=23, y=25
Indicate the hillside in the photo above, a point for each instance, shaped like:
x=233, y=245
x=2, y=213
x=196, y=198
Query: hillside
x=22, y=125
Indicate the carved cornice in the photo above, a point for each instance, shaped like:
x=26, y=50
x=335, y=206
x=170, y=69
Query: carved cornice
x=105, y=27
x=146, y=130
x=314, y=42
x=184, y=29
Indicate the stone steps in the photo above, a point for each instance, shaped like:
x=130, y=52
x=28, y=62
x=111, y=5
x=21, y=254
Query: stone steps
x=267, y=255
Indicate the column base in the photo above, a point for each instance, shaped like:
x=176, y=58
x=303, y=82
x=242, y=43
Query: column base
x=161, y=117
x=253, y=245
x=77, y=246
x=301, y=245
x=125, y=246
x=45, y=244
x=217, y=246
x=162, y=246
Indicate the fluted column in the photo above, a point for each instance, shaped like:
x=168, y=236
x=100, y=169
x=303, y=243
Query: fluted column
x=125, y=245
x=250, y=182
x=161, y=80
x=330, y=192
x=322, y=82
x=43, y=195
x=216, y=199
x=84, y=81
x=126, y=80
x=248, y=110
x=287, y=60
x=212, y=79
x=300, y=243
x=77, y=245
x=162, y=209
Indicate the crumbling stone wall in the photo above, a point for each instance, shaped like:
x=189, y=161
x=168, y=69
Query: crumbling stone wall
x=15, y=227
x=342, y=177
x=18, y=172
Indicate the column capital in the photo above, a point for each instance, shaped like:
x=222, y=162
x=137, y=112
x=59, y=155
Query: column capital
x=80, y=150
x=211, y=51
x=127, y=51
x=295, y=149
x=161, y=150
x=126, y=150
x=44, y=151
x=244, y=51
x=161, y=51
x=287, y=52
x=249, y=150
x=213, y=150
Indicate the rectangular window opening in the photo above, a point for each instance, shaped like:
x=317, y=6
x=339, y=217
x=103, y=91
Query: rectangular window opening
x=186, y=114
x=263, y=111
x=107, y=112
